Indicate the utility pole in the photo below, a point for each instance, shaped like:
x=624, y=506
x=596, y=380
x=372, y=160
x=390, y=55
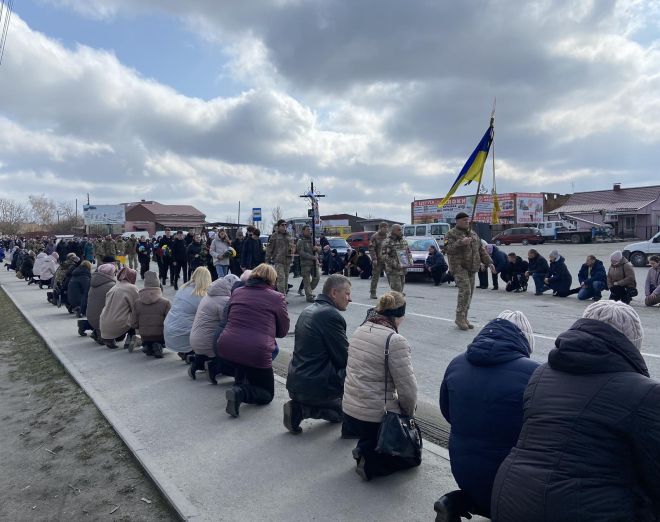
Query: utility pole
x=313, y=198
x=239, y=213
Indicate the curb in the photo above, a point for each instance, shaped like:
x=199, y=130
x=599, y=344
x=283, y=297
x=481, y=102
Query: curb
x=181, y=505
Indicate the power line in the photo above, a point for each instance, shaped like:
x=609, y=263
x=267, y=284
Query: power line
x=6, y=9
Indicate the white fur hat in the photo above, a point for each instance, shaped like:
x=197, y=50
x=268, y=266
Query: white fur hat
x=521, y=321
x=620, y=316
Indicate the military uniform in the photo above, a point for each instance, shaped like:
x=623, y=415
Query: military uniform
x=131, y=252
x=120, y=245
x=464, y=263
x=98, y=251
x=376, y=244
x=309, y=266
x=396, y=274
x=279, y=252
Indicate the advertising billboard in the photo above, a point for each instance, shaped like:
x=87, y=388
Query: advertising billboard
x=104, y=214
x=529, y=208
x=427, y=211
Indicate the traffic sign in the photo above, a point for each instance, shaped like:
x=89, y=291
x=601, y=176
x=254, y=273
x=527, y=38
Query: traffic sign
x=256, y=214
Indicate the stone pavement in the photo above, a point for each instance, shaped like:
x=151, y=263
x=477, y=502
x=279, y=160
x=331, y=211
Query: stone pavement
x=213, y=467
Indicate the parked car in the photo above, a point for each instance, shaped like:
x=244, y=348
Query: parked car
x=638, y=253
x=359, y=240
x=419, y=249
x=524, y=235
x=339, y=244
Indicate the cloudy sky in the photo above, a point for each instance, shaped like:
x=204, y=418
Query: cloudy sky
x=209, y=102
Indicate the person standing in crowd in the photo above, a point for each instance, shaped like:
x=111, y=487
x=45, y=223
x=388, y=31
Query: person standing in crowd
x=131, y=252
x=652, y=284
x=237, y=245
x=500, y=262
x=98, y=251
x=117, y=315
x=109, y=248
x=179, y=320
x=436, y=265
x=516, y=280
x=279, y=253
x=323, y=241
x=257, y=315
x=87, y=250
x=364, y=266
x=537, y=270
x=144, y=250
x=219, y=251
x=590, y=442
x=309, y=264
x=315, y=379
x=466, y=256
x=558, y=279
x=395, y=255
x=370, y=390
x=179, y=259
x=252, y=254
x=78, y=288
x=190, y=237
x=120, y=245
x=376, y=244
x=164, y=256
x=151, y=310
x=481, y=397
x=592, y=278
x=196, y=253
x=326, y=258
x=621, y=279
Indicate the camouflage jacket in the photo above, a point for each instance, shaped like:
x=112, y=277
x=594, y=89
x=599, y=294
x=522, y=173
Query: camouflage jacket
x=280, y=248
x=466, y=257
x=120, y=245
x=108, y=248
x=306, y=252
x=131, y=246
x=376, y=244
x=390, y=255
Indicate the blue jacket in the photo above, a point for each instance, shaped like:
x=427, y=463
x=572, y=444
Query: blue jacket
x=436, y=259
x=559, y=276
x=598, y=273
x=499, y=259
x=481, y=396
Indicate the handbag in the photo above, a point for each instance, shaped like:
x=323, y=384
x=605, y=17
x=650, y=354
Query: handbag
x=398, y=435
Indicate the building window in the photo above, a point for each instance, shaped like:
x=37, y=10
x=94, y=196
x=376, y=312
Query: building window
x=629, y=223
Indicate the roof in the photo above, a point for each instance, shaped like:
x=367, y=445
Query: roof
x=622, y=200
x=158, y=209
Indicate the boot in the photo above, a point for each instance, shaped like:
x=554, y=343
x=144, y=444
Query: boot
x=235, y=396
x=147, y=350
x=175, y=283
x=110, y=343
x=293, y=416
x=129, y=343
x=451, y=507
x=461, y=322
x=197, y=365
x=157, y=350
x=373, y=296
x=82, y=327
x=212, y=370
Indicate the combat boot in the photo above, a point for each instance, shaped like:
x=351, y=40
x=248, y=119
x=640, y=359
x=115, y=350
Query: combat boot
x=461, y=322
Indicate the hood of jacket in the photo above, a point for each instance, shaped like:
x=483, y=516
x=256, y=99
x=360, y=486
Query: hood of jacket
x=100, y=279
x=150, y=295
x=621, y=263
x=223, y=286
x=498, y=342
x=42, y=255
x=591, y=346
x=559, y=261
x=81, y=271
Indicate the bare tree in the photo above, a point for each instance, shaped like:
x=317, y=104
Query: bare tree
x=43, y=211
x=276, y=214
x=67, y=219
x=12, y=216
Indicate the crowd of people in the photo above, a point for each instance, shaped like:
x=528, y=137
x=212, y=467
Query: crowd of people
x=573, y=438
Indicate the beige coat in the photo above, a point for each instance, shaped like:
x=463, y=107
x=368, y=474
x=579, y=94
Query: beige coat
x=364, y=387
x=117, y=314
x=623, y=274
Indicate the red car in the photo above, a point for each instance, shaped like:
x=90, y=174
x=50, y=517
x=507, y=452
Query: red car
x=359, y=240
x=524, y=235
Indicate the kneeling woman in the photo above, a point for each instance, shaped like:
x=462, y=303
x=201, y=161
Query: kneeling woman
x=257, y=315
x=119, y=310
x=369, y=390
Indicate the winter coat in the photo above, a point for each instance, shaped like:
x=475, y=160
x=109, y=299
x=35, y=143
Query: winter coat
x=623, y=274
x=179, y=250
x=465, y=257
x=120, y=246
x=78, y=287
x=500, y=260
x=365, y=266
x=376, y=244
x=131, y=246
x=108, y=248
x=39, y=264
x=481, y=396
x=436, y=259
x=257, y=315
x=391, y=249
x=144, y=251
x=590, y=444
x=205, y=328
x=516, y=268
x=559, y=277
x=364, y=388
x=26, y=266
x=305, y=250
x=279, y=248
x=652, y=283
x=87, y=251
x=597, y=273
x=320, y=352
x=252, y=254
x=48, y=268
x=335, y=264
x=218, y=251
x=179, y=320
x=538, y=265
x=118, y=313
x=150, y=312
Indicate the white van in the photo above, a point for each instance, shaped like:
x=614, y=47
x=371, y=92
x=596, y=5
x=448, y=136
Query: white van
x=437, y=230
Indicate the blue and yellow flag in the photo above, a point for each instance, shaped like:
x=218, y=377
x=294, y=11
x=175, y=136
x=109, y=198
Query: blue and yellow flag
x=474, y=166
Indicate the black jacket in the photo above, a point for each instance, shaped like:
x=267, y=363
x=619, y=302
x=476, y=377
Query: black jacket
x=179, y=250
x=559, y=276
x=318, y=365
x=252, y=253
x=78, y=287
x=538, y=265
x=589, y=449
x=598, y=273
x=519, y=267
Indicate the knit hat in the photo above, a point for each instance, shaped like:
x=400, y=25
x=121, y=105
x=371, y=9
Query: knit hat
x=108, y=269
x=620, y=316
x=151, y=280
x=554, y=254
x=246, y=275
x=616, y=257
x=521, y=321
x=489, y=248
x=127, y=274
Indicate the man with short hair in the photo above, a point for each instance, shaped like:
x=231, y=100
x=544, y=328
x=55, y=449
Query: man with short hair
x=318, y=365
x=376, y=244
x=395, y=256
x=131, y=252
x=309, y=265
x=279, y=252
x=179, y=259
x=593, y=279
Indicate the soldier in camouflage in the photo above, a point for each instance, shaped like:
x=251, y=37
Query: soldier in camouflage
x=394, y=248
x=376, y=252
x=309, y=265
x=466, y=256
x=280, y=252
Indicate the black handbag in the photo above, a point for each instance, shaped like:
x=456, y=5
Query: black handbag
x=399, y=435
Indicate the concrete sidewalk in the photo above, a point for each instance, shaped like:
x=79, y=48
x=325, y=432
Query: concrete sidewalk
x=213, y=467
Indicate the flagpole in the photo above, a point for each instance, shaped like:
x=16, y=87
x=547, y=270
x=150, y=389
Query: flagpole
x=476, y=197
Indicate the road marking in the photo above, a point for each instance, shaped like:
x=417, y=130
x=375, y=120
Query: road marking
x=539, y=336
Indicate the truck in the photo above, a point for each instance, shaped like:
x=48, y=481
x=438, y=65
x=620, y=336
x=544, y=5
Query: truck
x=574, y=229
x=638, y=253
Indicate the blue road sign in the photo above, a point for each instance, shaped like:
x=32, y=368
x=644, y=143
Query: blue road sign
x=256, y=214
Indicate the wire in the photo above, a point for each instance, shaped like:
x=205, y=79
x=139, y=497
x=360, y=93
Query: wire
x=7, y=12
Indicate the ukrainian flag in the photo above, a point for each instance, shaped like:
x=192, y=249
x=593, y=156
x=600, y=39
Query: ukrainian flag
x=474, y=166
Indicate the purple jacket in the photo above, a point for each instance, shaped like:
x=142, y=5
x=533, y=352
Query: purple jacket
x=257, y=315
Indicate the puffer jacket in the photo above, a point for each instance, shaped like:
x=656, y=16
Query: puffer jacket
x=538, y=265
x=318, y=364
x=78, y=288
x=364, y=388
x=465, y=257
x=99, y=285
x=279, y=248
x=621, y=273
x=205, y=328
x=481, y=396
x=252, y=254
x=39, y=264
x=179, y=321
x=590, y=444
x=117, y=314
x=150, y=312
x=597, y=273
x=559, y=277
x=390, y=254
x=652, y=283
